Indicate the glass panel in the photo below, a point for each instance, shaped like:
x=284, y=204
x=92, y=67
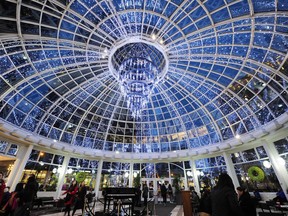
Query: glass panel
x=58, y=159
x=261, y=152
x=13, y=150
x=34, y=155
x=3, y=146
x=282, y=145
x=249, y=155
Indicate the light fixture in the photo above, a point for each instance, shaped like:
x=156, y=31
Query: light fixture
x=70, y=171
x=41, y=163
x=135, y=174
x=54, y=170
x=198, y=172
x=138, y=67
x=266, y=164
x=189, y=173
x=237, y=136
x=126, y=175
x=137, y=77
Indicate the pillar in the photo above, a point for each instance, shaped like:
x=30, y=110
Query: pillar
x=195, y=176
x=19, y=165
x=131, y=175
x=98, y=178
x=61, y=177
x=230, y=168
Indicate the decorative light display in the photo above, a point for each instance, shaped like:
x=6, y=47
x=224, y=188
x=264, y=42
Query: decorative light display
x=138, y=67
x=137, y=77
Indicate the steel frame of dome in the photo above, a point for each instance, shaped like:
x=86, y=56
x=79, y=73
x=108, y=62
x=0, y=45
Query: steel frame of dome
x=227, y=74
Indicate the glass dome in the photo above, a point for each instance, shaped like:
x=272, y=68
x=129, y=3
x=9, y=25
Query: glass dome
x=226, y=72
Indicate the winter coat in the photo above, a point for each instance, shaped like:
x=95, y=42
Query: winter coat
x=225, y=202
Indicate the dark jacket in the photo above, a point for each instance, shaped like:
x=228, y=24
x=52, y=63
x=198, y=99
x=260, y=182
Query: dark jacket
x=247, y=205
x=225, y=202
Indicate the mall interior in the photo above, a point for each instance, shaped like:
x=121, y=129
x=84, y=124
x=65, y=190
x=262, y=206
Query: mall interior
x=118, y=93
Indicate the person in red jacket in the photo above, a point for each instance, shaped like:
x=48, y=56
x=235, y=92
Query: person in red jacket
x=70, y=197
x=2, y=186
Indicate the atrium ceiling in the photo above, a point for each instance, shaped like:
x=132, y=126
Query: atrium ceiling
x=225, y=71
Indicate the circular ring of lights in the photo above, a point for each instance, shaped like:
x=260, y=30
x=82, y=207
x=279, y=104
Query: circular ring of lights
x=255, y=173
x=134, y=40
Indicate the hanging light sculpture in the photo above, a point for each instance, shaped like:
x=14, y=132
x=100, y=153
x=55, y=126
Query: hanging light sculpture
x=138, y=67
x=137, y=77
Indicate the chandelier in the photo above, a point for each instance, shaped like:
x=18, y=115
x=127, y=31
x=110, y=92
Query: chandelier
x=137, y=78
x=138, y=67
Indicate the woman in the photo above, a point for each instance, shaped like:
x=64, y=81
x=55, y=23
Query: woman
x=70, y=197
x=246, y=203
x=224, y=198
x=14, y=202
x=80, y=198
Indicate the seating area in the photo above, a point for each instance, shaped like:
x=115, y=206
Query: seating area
x=270, y=207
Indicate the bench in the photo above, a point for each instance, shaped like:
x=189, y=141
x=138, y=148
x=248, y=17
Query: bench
x=44, y=201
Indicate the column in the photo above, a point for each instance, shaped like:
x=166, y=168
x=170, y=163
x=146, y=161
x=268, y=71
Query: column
x=195, y=177
x=230, y=168
x=131, y=175
x=62, y=171
x=280, y=169
x=19, y=165
x=98, y=178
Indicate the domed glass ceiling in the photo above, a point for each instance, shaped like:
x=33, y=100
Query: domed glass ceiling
x=227, y=70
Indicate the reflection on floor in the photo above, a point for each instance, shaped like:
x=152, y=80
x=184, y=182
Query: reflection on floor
x=158, y=209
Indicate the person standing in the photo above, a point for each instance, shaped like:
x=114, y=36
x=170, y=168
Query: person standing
x=80, y=198
x=70, y=197
x=138, y=196
x=27, y=196
x=224, y=198
x=246, y=203
x=164, y=193
x=170, y=193
x=145, y=194
x=2, y=186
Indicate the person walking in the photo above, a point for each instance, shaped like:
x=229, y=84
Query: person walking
x=224, y=198
x=80, y=198
x=14, y=202
x=27, y=196
x=145, y=194
x=70, y=197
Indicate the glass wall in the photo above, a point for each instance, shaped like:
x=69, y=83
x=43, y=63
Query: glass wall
x=115, y=174
x=282, y=148
x=208, y=170
x=46, y=167
x=81, y=170
x=254, y=170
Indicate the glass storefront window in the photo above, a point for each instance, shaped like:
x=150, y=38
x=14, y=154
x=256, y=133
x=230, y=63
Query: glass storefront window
x=46, y=175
